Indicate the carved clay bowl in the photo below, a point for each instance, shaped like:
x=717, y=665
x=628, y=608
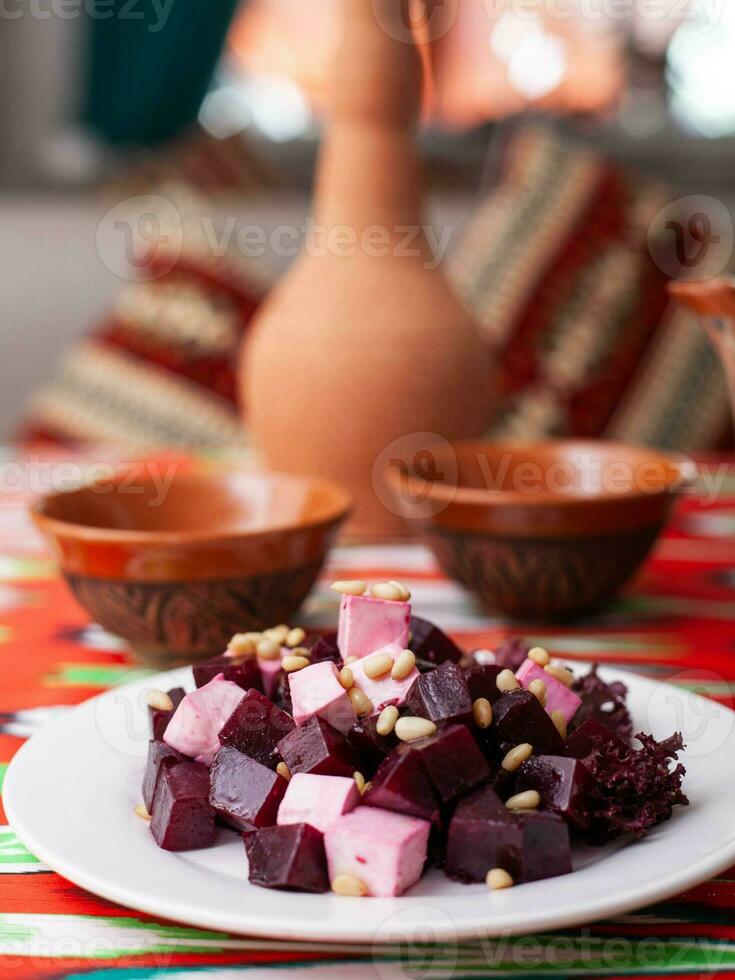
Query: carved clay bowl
x=546, y=531
x=176, y=570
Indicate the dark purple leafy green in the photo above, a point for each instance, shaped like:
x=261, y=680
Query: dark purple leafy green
x=634, y=789
x=603, y=702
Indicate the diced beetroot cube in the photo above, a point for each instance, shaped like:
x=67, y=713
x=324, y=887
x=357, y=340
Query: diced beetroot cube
x=386, y=851
x=441, y=695
x=290, y=858
x=383, y=691
x=370, y=748
x=401, y=785
x=431, y=646
x=558, y=696
x=317, y=748
x=483, y=834
x=158, y=753
x=244, y=673
x=182, y=819
x=159, y=719
x=452, y=761
x=563, y=784
x=511, y=652
x=245, y=793
x=482, y=681
x=325, y=648
x=518, y=717
x=367, y=624
x=316, y=690
x=318, y=800
x=196, y=722
x=256, y=727
x=588, y=738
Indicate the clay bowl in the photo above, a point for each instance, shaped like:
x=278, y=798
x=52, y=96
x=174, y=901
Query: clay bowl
x=176, y=572
x=547, y=531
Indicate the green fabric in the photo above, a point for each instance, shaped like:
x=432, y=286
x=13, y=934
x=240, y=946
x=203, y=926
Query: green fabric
x=150, y=63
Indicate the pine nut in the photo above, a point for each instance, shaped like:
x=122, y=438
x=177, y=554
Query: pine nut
x=405, y=593
x=411, y=729
x=241, y=645
x=517, y=756
x=405, y=663
x=483, y=712
x=292, y=664
x=346, y=678
x=283, y=771
x=359, y=781
x=497, y=879
x=295, y=637
x=142, y=812
x=350, y=588
x=539, y=656
x=301, y=652
x=360, y=702
x=350, y=886
x=268, y=650
x=255, y=637
x=562, y=674
x=387, y=720
x=385, y=590
x=159, y=701
x=506, y=681
x=277, y=633
x=538, y=689
x=378, y=666
x=529, y=800
x=348, y=661
x=560, y=722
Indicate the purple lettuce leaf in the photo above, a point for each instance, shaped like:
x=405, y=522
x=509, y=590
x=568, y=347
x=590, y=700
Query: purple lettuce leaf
x=603, y=702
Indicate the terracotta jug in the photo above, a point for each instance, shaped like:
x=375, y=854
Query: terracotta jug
x=364, y=342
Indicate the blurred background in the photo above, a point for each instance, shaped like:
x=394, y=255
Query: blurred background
x=105, y=100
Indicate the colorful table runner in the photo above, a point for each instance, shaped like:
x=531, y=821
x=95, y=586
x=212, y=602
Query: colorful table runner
x=675, y=622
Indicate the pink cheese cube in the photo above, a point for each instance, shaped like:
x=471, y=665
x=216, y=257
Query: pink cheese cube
x=269, y=671
x=197, y=720
x=316, y=690
x=383, y=690
x=318, y=800
x=558, y=695
x=367, y=625
x=386, y=850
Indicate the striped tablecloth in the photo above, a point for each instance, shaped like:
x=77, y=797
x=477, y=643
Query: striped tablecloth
x=676, y=621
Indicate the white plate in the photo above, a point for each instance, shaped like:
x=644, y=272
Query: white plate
x=71, y=790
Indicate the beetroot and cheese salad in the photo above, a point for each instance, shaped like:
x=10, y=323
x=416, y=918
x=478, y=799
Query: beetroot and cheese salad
x=355, y=762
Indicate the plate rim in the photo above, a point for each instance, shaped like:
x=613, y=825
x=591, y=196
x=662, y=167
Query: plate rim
x=469, y=928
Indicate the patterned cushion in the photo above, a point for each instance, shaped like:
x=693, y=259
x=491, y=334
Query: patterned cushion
x=557, y=269
x=162, y=369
